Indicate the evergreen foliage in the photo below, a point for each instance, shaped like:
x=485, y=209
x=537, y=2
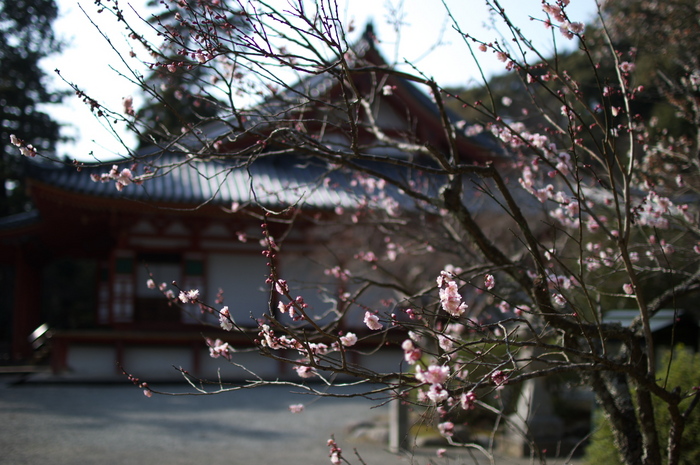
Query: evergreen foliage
x=26, y=37
x=684, y=372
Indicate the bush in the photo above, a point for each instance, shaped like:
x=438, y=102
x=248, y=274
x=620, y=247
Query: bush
x=684, y=372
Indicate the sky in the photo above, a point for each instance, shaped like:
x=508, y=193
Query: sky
x=89, y=61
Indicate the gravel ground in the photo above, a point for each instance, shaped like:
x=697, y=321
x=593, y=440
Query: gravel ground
x=56, y=424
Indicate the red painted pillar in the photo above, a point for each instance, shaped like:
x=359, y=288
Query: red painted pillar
x=26, y=315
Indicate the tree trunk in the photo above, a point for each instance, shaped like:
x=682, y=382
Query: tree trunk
x=614, y=395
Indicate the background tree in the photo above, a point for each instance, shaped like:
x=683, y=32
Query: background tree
x=498, y=270
x=26, y=37
x=180, y=95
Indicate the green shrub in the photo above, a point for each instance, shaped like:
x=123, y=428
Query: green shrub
x=685, y=372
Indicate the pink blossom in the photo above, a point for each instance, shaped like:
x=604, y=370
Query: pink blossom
x=350, y=339
x=412, y=314
x=576, y=28
x=628, y=288
x=410, y=352
x=627, y=67
x=559, y=300
x=225, y=319
x=555, y=11
x=437, y=393
x=148, y=393
x=296, y=408
x=28, y=151
x=499, y=378
x=128, y=104
x=150, y=284
x=446, y=429
x=335, y=452
x=190, y=296
x=282, y=287
x=450, y=299
x=467, y=400
x=124, y=178
x=366, y=256
x=445, y=343
x=489, y=281
x=305, y=372
x=372, y=321
x=218, y=348
x=441, y=452
x=566, y=32
x=433, y=375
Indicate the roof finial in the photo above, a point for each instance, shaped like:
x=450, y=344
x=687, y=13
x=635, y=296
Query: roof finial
x=369, y=35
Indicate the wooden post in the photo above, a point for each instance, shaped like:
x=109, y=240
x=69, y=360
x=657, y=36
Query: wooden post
x=398, y=426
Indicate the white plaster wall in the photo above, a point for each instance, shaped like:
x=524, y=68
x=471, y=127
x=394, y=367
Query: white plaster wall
x=91, y=361
x=306, y=278
x=155, y=363
x=242, y=278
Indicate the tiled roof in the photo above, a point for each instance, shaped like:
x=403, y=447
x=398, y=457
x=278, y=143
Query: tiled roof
x=274, y=181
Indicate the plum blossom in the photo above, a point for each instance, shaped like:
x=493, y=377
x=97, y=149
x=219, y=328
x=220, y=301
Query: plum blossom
x=559, y=300
x=225, y=319
x=25, y=149
x=433, y=375
x=437, y=393
x=499, y=378
x=305, y=371
x=148, y=393
x=296, y=408
x=372, y=321
x=555, y=11
x=627, y=67
x=348, y=340
x=218, y=348
x=411, y=353
x=489, y=281
x=190, y=296
x=128, y=104
x=335, y=452
x=281, y=287
x=122, y=178
x=628, y=288
x=446, y=429
x=576, y=27
x=467, y=400
x=450, y=298
x=445, y=343
x=150, y=284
